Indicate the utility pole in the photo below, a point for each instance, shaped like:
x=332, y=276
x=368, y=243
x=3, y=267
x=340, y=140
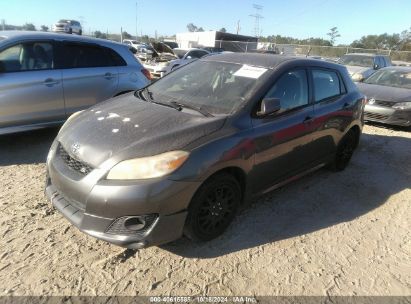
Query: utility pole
x=257, y=17
x=136, y=23
x=238, y=26
x=3, y=24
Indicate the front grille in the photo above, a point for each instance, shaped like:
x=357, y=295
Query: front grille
x=387, y=104
x=74, y=164
x=375, y=116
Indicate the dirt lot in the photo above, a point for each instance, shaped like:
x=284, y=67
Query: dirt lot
x=330, y=233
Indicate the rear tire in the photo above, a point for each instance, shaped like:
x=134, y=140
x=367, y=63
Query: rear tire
x=345, y=150
x=213, y=208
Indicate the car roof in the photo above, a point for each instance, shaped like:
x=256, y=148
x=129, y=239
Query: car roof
x=21, y=35
x=266, y=60
x=364, y=54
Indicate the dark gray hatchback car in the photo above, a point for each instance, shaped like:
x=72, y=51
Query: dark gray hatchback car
x=184, y=154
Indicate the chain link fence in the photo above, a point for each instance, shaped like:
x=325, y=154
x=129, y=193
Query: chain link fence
x=332, y=52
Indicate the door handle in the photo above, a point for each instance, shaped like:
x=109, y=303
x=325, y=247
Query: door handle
x=308, y=120
x=109, y=76
x=346, y=105
x=50, y=82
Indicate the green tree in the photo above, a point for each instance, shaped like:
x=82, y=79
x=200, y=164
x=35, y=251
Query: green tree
x=191, y=27
x=44, y=28
x=334, y=34
x=29, y=27
x=126, y=35
x=100, y=35
x=223, y=30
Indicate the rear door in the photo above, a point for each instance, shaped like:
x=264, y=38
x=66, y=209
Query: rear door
x=89, y=75
x=333, y=110
x=30, y=86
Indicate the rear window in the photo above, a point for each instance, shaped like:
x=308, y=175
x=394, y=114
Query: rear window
x=77, y=55
x=326, y=84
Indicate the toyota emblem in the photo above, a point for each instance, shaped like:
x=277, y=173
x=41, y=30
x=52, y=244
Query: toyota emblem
x=75, y=148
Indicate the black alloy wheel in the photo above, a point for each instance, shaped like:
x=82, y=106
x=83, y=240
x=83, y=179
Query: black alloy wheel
x=213, y=208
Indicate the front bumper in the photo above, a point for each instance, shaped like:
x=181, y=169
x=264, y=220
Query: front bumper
x=387, y=115
x=93, y=205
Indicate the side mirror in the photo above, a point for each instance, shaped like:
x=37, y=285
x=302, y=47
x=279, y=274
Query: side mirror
x=269, y=106
x=189, y=57
x=376, y=66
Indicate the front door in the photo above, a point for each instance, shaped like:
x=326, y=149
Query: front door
x=283, y=140
x=30, y=88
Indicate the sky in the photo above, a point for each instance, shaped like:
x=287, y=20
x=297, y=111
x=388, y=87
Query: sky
x=295, y=18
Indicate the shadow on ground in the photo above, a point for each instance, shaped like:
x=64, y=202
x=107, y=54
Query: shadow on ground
x=379, y=169
x=26, y=148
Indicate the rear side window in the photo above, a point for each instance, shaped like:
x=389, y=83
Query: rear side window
x=28, y=56
x=326, y=84
x=76, y=55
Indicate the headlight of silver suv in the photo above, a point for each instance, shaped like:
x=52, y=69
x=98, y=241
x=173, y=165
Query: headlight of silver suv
x=148, y=167
x=357, y=77
x=402, y=105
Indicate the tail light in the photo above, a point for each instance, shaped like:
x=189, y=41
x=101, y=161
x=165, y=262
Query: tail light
x=146, y=73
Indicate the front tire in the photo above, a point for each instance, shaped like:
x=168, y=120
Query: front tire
x=345, y=150
x=80, y=32
x=213, y=208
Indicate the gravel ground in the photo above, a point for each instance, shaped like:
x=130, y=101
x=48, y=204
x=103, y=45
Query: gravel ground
x=329, y=233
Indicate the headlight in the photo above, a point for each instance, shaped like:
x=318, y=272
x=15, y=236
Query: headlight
x=402, y=105
x=148, y=167
x=357, y=77
x=70, y=118
x=73, y=115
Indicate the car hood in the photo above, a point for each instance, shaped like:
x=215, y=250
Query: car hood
x=127, y=127
x=352, y=69
x=384, y=93
x=163, y=51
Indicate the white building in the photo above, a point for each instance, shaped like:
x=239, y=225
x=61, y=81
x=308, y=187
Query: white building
x=226, y=41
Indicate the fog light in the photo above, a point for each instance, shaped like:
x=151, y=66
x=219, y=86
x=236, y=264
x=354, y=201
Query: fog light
x=132, y=225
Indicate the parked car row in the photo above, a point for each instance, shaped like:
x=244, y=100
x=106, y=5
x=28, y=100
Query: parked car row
x=180, y=156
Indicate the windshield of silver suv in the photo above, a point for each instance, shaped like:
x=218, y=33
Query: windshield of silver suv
x=357, y=60
x=217, y=87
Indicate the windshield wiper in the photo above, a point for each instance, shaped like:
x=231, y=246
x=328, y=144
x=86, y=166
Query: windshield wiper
x=180, y=105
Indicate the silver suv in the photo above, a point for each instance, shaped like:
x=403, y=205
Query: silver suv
x=68, y=26
x=45, y=77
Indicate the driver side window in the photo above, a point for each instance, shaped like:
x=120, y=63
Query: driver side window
x=292, y=89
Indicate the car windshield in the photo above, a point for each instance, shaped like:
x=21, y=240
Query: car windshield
x=179, y=53
x=357, y=60
x=217, y=87
x=64, y=21
x=391, y=78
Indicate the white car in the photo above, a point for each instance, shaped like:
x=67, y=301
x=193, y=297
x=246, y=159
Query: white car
x=134, y=43
x=68, y=26
x=185, y=56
